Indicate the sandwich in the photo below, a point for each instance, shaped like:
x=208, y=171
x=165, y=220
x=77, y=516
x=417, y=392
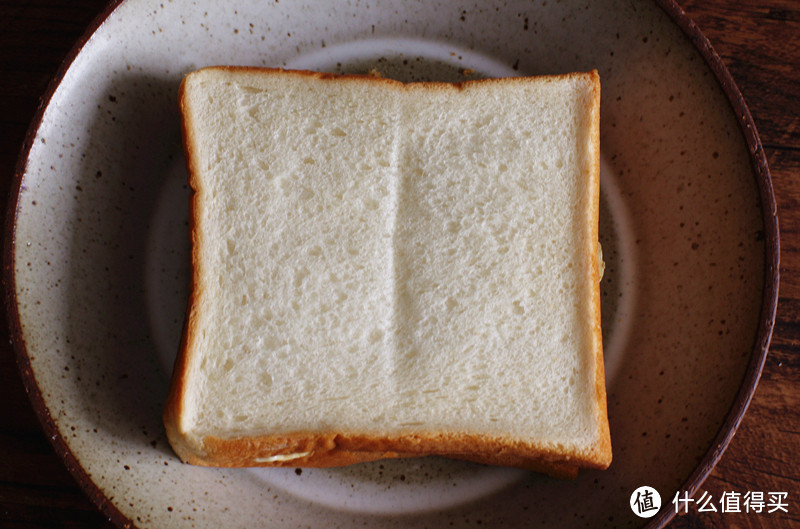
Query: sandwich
x=385, y=270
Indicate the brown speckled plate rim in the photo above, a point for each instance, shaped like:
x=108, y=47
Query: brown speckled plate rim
x=726, y=431
x=769, y=299
x=33, y=390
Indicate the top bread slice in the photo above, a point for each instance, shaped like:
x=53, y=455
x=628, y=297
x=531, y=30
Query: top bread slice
x=383, y=269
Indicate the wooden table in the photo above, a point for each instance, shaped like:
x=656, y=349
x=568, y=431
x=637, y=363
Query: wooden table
x=759, y=43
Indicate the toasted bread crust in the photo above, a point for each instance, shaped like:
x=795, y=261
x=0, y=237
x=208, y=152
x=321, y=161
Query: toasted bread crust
x=603, y=453
x=315, y=449
x=312, y=449
x=173, y=409
x=176, y=397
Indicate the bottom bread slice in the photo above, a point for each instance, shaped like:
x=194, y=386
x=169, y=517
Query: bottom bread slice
x=391, y=270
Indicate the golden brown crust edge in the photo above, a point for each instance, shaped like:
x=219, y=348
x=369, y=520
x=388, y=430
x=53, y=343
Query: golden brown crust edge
x=327, y=450
x=371, y=79
x=174, y=406
x=602, y=450
x=312, y=449
x=336, y=457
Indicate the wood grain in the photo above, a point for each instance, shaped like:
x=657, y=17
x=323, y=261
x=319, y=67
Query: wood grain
x=758, y=41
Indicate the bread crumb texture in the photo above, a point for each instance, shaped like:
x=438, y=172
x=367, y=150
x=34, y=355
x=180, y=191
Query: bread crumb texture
x=393, y=260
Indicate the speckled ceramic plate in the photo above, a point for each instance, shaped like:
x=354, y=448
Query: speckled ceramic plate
x=97, y=255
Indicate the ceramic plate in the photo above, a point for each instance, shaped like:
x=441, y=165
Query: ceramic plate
x=97, y=259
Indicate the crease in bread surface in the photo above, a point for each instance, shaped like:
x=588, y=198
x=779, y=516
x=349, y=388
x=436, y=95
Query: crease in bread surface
x=386, y=270
x=394, y=325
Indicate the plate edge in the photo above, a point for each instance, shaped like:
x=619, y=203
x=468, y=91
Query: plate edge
x=8, y=280
x=742, y=398
x=769, y=298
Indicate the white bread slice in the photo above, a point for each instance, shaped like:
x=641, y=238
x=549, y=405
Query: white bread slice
x=391, y=270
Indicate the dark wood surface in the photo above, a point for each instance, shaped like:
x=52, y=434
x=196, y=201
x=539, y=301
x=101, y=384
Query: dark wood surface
x=758, y=41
